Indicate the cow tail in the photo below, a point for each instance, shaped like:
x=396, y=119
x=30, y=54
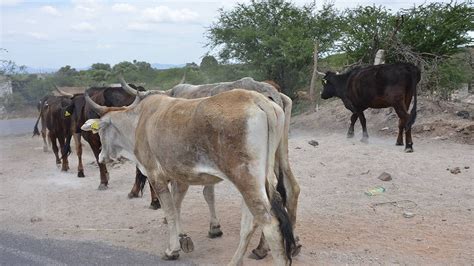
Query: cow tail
x=67, y=146
x=35, y=129
x=141, y=179
x=412, y=118
x=275, y=120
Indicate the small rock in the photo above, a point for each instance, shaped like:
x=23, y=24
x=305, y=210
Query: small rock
x=466, y=167
x=464, y=114
x=385, y=176
x=77, y=226
x=298, y=148
x=427, y=128
x=408, y=214
x=455, y=170
x=384, y=129
x=313, y=143
x=130, y=227
x=36, y=219
x=443, y=220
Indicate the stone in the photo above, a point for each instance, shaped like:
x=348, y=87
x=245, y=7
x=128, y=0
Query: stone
x=385, y=176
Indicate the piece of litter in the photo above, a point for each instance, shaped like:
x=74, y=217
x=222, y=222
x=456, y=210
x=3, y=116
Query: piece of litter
x=408, y=215
x=375, y=191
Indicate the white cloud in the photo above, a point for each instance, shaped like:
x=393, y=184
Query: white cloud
x=165, y=14
x=31, y=21
x=50, y=10
x=10, y=2
x=83, y=27
x=139, y=27
x=88, y=8
x=104, y=46
x=37, y=36
x=125, y=8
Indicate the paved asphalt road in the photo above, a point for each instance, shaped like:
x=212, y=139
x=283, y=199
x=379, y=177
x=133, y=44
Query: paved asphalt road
x=25, y=250
x=17, y=126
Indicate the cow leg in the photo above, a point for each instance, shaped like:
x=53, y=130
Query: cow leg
x=155, y=202
x=104, y=175
x=365, y=135
x=350, y=132
x=54, y=145
x=401, y=128
x=138, y=186
x=408, y=139
x=214, y=226
x=80, y=167
x=169, y=207
x=247, y=228
x=45, y=137
x=404, y=116
x=64, y=155
x=179, y=191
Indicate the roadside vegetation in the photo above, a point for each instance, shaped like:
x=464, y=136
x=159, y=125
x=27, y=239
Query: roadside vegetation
x=274, y=40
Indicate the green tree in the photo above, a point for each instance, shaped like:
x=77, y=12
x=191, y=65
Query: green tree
x=274, y=36
x=209, y=63
x=367, y=29
x=438, y=28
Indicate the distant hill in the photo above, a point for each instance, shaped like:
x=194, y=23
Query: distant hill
x=167, y=66
x=37, y=70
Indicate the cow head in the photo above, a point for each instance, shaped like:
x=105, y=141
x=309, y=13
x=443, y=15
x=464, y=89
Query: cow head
x=329, y=85
x=113, y=139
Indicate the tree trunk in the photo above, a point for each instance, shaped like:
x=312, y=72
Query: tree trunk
x=314, y=95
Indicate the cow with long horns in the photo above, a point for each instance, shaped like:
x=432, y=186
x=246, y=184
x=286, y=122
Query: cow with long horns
x=283, y=172
x=231, y=136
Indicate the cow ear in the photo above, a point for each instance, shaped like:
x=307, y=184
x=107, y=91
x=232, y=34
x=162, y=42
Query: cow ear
x=92, y=125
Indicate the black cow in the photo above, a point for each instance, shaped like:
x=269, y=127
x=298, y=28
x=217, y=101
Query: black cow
x=81, y=112
x=379, y=86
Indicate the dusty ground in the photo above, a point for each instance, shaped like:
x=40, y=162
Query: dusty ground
x=337, y=222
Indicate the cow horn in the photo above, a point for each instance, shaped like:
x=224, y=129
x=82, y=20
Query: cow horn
x=129, y=89
x=100, y=110
x=135, y=102
x=63, y=93
x=321, y=73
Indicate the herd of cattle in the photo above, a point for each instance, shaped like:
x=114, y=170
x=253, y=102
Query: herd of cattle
x=203, y=134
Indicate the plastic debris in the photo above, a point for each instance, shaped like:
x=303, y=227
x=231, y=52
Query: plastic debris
x=375, y=191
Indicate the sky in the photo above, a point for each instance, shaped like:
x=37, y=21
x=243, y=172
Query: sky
x=51, y=34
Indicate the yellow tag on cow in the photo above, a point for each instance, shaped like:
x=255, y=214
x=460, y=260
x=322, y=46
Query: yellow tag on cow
x=95, y=127
x=66, y=114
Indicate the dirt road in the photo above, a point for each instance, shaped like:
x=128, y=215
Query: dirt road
x=337, y=222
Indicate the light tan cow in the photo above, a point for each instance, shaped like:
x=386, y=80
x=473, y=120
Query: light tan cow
x=231, y=136
x=291, y=185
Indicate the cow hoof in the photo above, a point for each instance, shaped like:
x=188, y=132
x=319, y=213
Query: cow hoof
x=102, y=187
x=132, y=195
x=64, y=169
x=58, y=161
x=186, y=243
x=399, y=144
x=155, y=205
x=258, y=254
x=296, y=250
x=409, y=150
x=350, y=135
x=80, y=174
x=215, y=232
x=174, y=256
x=364, y=140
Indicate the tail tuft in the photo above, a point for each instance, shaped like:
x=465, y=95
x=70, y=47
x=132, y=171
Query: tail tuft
x=286, y=227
